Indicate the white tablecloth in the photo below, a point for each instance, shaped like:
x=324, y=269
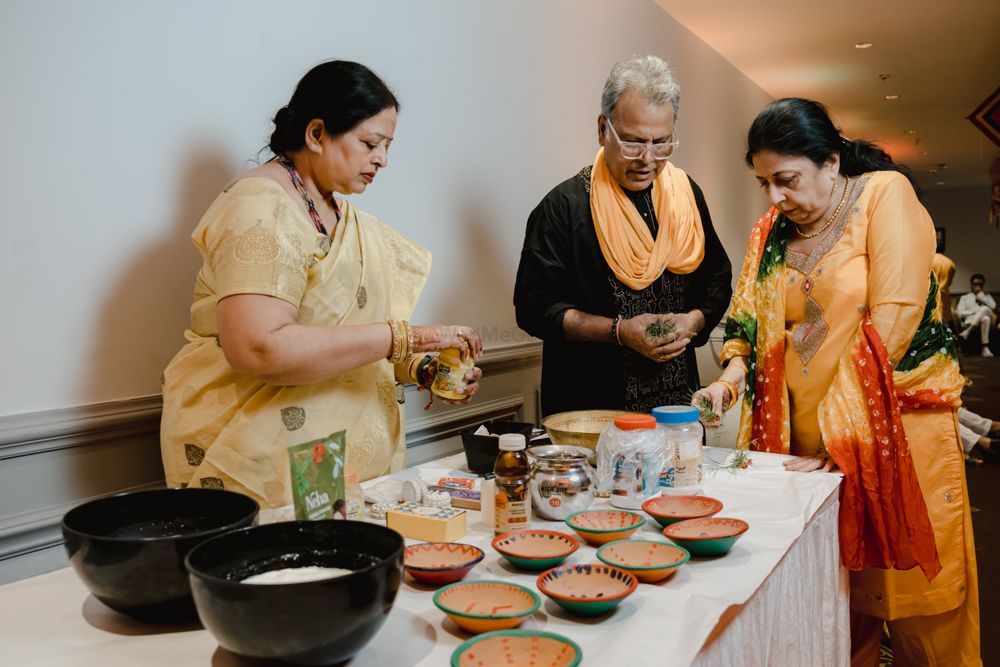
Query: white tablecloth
x=778, y=598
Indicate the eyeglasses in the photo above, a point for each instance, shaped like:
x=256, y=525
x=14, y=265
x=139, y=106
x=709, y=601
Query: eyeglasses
x=633, y=150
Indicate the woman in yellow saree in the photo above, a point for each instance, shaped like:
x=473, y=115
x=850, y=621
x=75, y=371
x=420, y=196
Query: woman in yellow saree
x=836, y=342
x=298, y=325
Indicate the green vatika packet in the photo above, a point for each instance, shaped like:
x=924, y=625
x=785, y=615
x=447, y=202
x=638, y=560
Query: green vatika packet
x=317, y=469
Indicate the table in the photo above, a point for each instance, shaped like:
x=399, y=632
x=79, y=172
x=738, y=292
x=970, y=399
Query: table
x=779, y=597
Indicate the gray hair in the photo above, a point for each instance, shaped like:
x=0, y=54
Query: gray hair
x=648, y=76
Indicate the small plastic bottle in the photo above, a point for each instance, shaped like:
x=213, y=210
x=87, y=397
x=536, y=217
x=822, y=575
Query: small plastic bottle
x=354, y=496
x=684, y=434
x=512, y=504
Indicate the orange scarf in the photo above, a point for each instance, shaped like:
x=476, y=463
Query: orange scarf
x=628, y=247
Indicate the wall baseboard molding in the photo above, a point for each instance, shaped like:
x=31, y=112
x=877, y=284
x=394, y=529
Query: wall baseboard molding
x=64, y=428
x=31, y=533
x=50, y=430
x=427, y=438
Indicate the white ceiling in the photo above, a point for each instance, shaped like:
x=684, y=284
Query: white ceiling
x=942, y=58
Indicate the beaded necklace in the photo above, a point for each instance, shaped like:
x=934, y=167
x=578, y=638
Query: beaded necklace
x=833, y=216
x=293, y=174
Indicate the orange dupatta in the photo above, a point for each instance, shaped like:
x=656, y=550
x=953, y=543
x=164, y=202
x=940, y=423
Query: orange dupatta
x=626, y=243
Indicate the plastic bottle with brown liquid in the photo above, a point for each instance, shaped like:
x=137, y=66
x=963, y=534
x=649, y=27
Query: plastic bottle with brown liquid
x=513, y=498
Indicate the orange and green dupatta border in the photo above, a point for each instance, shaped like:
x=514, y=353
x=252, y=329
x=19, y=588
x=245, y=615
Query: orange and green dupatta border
x=883, y=517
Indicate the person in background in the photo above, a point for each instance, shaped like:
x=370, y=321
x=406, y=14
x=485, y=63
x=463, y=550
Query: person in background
x=977, y=310
x=978, y=434
x=298, y=326
x=835, y=334
x=622, y=274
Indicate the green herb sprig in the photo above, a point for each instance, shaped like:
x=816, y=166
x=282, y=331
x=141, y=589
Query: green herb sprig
x=659, y=328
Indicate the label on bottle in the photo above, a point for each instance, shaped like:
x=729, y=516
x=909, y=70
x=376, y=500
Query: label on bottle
x=687, y=472
x=668, y=477
x=683, y=470
x=511, y=514
x=628, y=476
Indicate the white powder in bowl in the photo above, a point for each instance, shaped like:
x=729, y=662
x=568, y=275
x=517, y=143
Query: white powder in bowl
x=294, y=575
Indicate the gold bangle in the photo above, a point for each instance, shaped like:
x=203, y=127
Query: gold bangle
x=402, y=356
x=395, y=355
x=409, y=340
x=733, y=394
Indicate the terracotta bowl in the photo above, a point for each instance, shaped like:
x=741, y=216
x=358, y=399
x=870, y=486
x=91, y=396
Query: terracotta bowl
x=648, y=561
x=671, y=509
x=603, y=526
x=535, y=549
x=579, y=427
x=710, y=536
x=587, y=589
x=482, y=606
x=518, y=647
x=439, y=563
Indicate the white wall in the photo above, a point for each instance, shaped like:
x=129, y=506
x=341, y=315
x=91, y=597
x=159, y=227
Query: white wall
x=121, y=121
x=970, y=241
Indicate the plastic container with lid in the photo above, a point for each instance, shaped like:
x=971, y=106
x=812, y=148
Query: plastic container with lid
x=629, y=460
x=683, y=436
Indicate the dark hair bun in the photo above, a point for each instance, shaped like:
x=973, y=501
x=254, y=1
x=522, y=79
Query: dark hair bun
x=340, y=93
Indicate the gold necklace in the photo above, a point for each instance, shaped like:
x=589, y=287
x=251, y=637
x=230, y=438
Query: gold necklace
x=833, y=216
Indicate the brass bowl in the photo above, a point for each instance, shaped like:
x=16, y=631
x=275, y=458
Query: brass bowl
x=580, y=427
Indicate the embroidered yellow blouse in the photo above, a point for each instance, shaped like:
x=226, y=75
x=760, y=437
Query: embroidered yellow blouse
x=222, y=429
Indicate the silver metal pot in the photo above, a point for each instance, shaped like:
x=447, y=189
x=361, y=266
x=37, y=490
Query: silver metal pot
x=562, y=480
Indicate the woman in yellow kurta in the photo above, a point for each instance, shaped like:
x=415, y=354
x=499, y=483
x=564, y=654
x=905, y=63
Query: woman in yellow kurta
x=835, y=335
x=298, y=326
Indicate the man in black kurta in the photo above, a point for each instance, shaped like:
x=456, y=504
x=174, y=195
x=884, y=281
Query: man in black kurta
x=567, y=295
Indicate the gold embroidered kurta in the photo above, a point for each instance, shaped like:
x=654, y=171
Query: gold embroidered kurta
x=223, y=429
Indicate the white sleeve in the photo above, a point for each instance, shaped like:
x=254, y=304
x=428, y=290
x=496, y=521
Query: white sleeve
x=966, y=305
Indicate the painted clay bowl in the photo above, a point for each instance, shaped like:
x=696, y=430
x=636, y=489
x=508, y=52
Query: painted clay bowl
x=710, y=536
x=588, y=589
x=579, y=427
x=440, y=563
x=602, y=526
x=517, y=647
x=648, y=561
x=482, y=606
x=535, y=549
x=671, y=509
